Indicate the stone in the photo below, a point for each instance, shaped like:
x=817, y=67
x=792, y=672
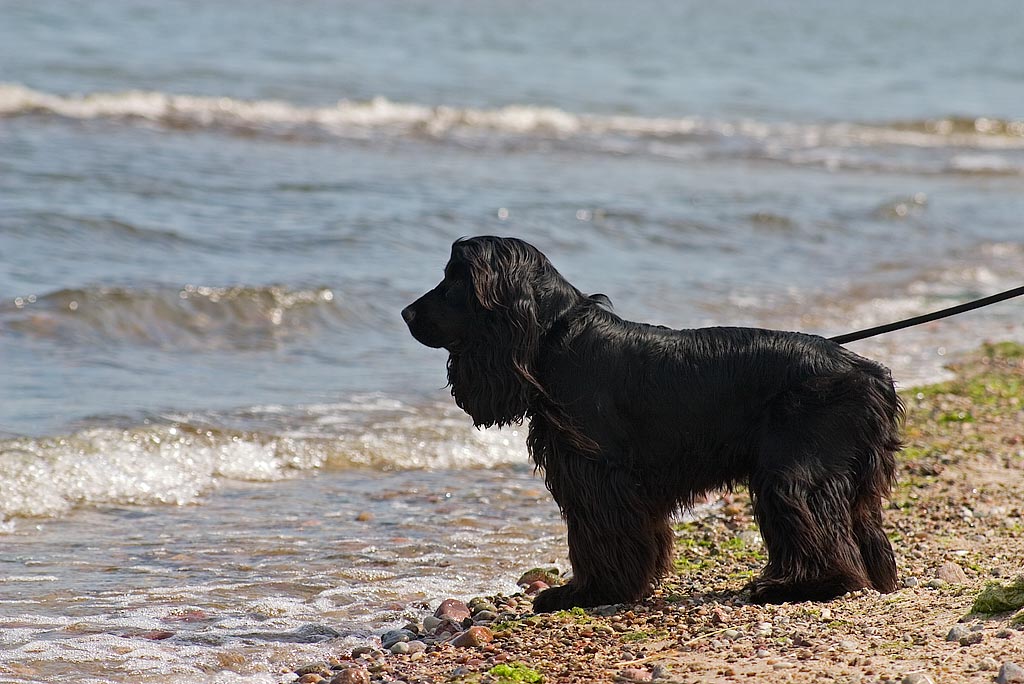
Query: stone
x=988, y=664
x=430, y=623
x=390, y=638
x=911, y=582
x=951, y=573
x=453, y=610
x=483, y=607
x=313, y=668
x=400, y=647
x=536, y=587
x=311, y=678
x=917, y=678
x=353, y=675
x=474, y=636
x=549, y=576
x=1010, y=673
x=485, y=616
x=957, y=633
x=635, y=674
x=971, y=639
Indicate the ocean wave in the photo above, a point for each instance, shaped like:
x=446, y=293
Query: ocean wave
x=177, y=459
x=189, y=317
x=382, y=116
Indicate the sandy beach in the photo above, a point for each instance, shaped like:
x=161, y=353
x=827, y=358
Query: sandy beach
x=956, y=519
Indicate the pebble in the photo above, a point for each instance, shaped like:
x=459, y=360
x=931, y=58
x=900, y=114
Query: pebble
x=1010, y=673
x=957, y=633
x=452, y=609
x=474, y=636
x=361, y=651
x=430, y=623
x=917, y=678
x=353, y=675
x=849, y=645
x=911, y=582
x=951, y=573
x=313, y=668
x=390, y=638
x=311, y=678
x=635, y=674
x=988, y=664
x=400, y=647
x=972, y=638
x=936, y=583
x=485, y=616
x=547, y=575
x=536, y=587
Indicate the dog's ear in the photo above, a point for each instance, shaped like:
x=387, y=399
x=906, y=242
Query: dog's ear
x=494, y=380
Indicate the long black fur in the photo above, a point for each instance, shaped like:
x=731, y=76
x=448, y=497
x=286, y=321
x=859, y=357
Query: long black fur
x=632, y=422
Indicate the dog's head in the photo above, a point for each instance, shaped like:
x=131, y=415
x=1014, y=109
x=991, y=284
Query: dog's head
x=497, y=299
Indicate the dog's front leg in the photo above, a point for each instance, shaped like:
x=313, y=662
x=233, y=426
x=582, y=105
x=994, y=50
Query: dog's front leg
x=620, y=540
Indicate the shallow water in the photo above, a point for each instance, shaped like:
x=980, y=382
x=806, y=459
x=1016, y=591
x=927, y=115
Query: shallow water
x=211, y=216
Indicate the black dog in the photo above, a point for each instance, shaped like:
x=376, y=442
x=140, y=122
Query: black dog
x=632, y=422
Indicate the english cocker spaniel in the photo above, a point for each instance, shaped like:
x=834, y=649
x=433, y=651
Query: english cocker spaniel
x=632, y=422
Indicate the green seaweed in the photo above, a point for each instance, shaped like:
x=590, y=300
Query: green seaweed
x=998, y=597
x=514, y=673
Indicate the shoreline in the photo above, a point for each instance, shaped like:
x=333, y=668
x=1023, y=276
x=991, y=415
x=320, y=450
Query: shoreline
x=956, y=519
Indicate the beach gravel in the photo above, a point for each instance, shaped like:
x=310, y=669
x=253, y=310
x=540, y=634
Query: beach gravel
x=956, y=520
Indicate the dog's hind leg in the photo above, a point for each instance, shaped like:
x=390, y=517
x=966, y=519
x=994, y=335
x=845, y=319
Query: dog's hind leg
x=803, y=489
x=875, y=548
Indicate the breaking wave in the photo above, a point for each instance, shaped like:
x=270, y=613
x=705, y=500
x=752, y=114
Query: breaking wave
x=381, y=116
x=189, y=317
x=176, y=459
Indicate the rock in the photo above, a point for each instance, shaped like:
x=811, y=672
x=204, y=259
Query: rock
x=474, y=636
x=936, y=583
x=400, y=647
x=485, y=616
x=1010, y=673
x=361, y=650
x=917, y=678
x=635, y=674
x=313, y=668
x=848, y=645
x=416, y=647
x=549, y=576
x=951, y=573
x=447, y=627
x=957, y=633
x=311, y=678
x=365, y=516
x=353, y=675
x=731, y=634
x=536, y=587
x=453, y=610
x=911, y=582
x=430, y=623
x=482, y=607
x=389, y=639
x=971, y=639
x=988, y=664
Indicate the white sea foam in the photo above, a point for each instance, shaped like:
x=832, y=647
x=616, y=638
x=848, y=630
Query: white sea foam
x=178, y=462
x=380, y=115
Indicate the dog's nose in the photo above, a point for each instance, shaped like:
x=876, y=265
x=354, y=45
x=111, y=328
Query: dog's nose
x=408, y=314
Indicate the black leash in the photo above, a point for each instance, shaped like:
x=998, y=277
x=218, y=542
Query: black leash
x=927, y=318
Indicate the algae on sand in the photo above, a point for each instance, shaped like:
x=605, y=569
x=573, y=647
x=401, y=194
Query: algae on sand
x=998, y=597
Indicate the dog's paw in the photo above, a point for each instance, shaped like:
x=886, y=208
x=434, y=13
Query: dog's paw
x=556, y=598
